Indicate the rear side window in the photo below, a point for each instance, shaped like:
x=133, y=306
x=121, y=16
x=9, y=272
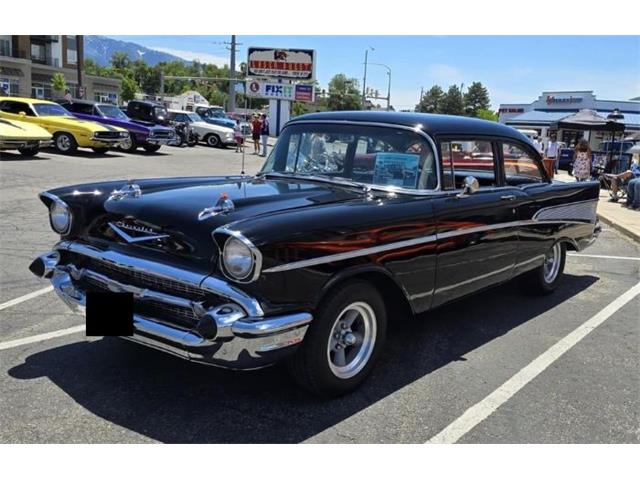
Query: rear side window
x=11, y=106
x=519, y=166
x=462, y=158
x=87, y=109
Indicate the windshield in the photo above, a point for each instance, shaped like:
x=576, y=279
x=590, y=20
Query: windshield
x=378, y=156
x=160, y=112
x=50, y=110
x=194, y=117
x=112, y=111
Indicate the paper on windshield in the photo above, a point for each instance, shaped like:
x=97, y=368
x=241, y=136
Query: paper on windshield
x=396, y=169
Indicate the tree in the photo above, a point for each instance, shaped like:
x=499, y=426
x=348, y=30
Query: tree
x=58, y=82
x=431, y=101
x=476, y=98
x=129, y=89
x=120, y=61
x=453, y=102
x=343, y=93
x=487, y=114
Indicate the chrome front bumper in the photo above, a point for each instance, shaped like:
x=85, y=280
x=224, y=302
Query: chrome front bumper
x=235, y=334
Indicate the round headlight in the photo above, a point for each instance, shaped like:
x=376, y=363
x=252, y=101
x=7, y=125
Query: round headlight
x=237, y=258
x=60, y=217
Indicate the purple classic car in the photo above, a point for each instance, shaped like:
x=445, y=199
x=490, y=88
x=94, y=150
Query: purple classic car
x=141, y=134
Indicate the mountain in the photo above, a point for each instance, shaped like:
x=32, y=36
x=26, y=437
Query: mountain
x=100, y=49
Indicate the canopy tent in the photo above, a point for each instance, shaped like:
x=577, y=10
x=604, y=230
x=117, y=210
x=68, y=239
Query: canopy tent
x=588, y=120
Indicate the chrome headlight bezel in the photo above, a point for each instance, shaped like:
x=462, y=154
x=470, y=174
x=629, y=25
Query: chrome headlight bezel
x=60, y=217
x=249, y=253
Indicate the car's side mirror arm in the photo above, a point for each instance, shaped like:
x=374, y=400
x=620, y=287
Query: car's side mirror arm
x=469, y=185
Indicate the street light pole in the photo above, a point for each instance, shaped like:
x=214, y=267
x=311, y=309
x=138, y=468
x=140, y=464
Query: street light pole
x=364, y=78
x=388, y=84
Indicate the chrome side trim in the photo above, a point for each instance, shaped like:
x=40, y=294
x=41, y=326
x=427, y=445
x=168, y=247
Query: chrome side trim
x=255, y=251
x=415, y=129
x=408, y=243
x=583, y=210
x=211, y=284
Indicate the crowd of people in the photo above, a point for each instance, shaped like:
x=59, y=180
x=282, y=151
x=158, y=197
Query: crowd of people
x=259, y=134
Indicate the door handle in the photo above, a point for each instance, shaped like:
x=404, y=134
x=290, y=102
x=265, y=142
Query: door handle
x=508, y=197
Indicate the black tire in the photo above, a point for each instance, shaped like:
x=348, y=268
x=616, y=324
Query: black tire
x=312, y=367
x=65, y=142
x=132, y=145
x=212, y=140
x=151, y=148
x=100, y=149
x=540, y=281
x=29, y=152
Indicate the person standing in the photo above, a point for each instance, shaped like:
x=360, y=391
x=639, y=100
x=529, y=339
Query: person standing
x=538, y=144
x=552, y=151
x=239, y=137
x=256, y=125
x=264, y=134
x=582, y=161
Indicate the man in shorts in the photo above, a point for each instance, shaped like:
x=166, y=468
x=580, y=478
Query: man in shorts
x=256, y=127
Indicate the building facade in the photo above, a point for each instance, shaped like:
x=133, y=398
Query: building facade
x=550, y=107
x=28, y=63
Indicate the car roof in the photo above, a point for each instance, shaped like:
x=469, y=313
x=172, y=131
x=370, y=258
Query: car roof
x=172, y=110
x=433, y=124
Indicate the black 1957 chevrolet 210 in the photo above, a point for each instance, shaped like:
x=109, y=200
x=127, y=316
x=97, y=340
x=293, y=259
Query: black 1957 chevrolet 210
x=356, y=219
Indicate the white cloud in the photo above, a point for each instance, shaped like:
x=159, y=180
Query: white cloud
x=190, y=55
x=444, y=75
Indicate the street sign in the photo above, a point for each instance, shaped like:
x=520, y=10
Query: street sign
x=296, y=64
x=280, y=91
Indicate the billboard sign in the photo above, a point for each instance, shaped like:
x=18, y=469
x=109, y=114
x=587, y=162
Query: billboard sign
x=298, y=64
x=281, y=91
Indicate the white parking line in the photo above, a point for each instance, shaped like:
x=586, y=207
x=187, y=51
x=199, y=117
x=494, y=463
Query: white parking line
x=481, y=410
x=611, y=257
x=41, y=337
x=26, y=297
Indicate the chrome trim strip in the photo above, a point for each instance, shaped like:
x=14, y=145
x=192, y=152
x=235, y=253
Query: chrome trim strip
x=408, y=243
x=129, y=239
x=209, y=283
x=270, y=326
x=257, y=255
x=583, y=210
x=416, y=129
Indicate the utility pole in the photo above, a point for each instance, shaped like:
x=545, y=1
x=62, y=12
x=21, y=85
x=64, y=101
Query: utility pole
x=79, y=59
x=364, y=78
x=232, y=74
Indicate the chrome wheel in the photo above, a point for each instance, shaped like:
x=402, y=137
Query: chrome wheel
x=63, y=142
x=353, y=337
x=127, y=143
x=552, y=261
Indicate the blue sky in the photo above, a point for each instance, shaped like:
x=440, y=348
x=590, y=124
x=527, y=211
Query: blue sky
x=513, y=68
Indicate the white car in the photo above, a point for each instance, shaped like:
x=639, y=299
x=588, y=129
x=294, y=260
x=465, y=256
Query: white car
x=212, y=135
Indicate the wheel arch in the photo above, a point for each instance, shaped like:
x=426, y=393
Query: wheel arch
x=570, y=244
x=395, y=297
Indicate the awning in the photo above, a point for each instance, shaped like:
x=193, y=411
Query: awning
x=11, y=72
x=534, y=117
x=589, y=120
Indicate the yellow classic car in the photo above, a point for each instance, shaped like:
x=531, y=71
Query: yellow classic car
x=28, y=139
x=68, y=132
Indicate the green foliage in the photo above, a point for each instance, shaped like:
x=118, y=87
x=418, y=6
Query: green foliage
x=298, y=108
x=487, y=114
x=475, y=99
x=58, y=82
x=129, y=89
x=431, y=100
x=344, y=93
x=452, y=103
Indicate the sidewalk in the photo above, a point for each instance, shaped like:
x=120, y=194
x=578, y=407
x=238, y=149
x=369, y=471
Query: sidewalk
x=615, y=215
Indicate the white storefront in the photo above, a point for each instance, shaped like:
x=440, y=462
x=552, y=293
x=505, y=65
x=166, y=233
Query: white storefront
x=550, y=107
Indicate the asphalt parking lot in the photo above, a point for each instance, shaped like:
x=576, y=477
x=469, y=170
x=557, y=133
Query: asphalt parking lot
x=435, y=367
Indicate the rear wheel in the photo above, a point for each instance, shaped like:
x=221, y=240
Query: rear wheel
x=546, y=278
x=29, y=152
x=212, y=140
x=151, y=148
x=64, y=142
x=343, y=341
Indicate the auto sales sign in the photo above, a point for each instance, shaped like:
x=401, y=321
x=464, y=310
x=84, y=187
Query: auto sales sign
x=280, y=91
x=298, y=64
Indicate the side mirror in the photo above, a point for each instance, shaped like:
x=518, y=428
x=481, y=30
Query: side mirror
x=469, y=185
x=22, y=114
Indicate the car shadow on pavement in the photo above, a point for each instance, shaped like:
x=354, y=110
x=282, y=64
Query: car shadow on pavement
x=170, y=400
x=17, y=157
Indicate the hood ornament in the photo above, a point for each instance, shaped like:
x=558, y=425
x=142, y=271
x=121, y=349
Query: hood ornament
x=126, y=191
x=223, y=205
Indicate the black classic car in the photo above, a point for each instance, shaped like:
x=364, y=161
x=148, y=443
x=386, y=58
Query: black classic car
x=147, y=111
x=356, y=220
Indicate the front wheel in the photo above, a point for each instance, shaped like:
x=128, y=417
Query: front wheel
x=213, y=140
x=65, y=142
x=546, y=278
x=343, y=341
x=129, y=144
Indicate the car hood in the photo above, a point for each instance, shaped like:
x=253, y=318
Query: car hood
x=172, y=206
x=15, y=130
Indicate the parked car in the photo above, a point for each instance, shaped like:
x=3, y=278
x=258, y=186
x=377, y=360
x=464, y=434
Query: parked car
x=28, y=139
x=148, y=136
x=355, y=220
x=212, y=135
x=216, y=116
x=68, y=132
x=152, y=112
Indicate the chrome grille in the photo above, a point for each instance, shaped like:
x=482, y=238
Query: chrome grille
x=107, y=135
